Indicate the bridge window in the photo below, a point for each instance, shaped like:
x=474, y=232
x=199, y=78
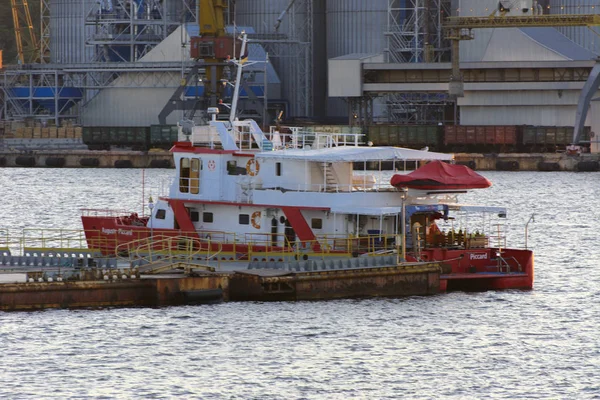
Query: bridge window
x=195, y=175
x=316, y=223
x=189, y=175
x=184, y=175
x=207, y=217
x=161, y=213
x=244, y=219
x=232, y=167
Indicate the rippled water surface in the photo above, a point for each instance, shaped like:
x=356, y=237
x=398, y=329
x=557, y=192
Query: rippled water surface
x=543, y=343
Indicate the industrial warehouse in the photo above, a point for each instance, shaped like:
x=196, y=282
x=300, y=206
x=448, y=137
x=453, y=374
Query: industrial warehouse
x=477, y=77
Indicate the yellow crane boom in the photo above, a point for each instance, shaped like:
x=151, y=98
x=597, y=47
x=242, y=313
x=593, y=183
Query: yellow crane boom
x=22, y=20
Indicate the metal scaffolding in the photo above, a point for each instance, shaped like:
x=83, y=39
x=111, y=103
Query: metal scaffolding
x=122, y=30
x=117, y=34
x=415, y=34
x=59, y=92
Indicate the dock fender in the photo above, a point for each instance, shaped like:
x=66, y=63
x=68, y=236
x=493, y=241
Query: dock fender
x=25, y=161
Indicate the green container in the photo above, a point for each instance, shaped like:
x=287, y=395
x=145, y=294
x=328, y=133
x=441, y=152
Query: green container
x=162, y=136
x=384, y=135
x=540, y=135
x=174, y=134
x=393, y=135
x=551, y=135
x=562, y=137
x=421, y=135
x=529, y=133
x=413, y=132
x=86, y=135
x=433, y=135
x=402, y=135
x=374, y=134
x=585, y=135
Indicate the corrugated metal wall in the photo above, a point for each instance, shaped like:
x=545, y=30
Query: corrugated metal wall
x=262, y=16
x=588, y=38
x=67, y=31
x=354, y=26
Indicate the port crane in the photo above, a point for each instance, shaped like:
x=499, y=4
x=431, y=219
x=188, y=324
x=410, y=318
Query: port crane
x=457, y=29
x=211, y=50
x=22, y=22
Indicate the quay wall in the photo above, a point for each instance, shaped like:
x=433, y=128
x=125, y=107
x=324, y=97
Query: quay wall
x=163, y=159
x=87, y=159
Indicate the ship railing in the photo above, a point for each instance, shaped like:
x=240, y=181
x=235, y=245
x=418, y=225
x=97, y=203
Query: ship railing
x=48, y=242
x=301, y=138
x=267, y=247
x=102, y=212
x=369, y=186
x=503, y=263
x=170, y=249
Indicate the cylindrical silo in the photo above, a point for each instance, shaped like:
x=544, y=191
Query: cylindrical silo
x=354, y=26
x=286, y=21
x=68, y=31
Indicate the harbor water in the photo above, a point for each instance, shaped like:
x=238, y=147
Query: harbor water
x=539, y=344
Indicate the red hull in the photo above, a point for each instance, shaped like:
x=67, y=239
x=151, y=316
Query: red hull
x=477, y=269
x=462, y=269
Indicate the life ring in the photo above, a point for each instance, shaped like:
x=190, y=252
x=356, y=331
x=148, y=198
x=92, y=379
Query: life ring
x=252, y=167
x=212, y=165
x=255, y=220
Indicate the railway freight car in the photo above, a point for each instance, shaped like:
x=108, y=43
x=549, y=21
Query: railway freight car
x=412, y=136
x=551, y=138
x=477, y=138
x=132, y=137
x=482, y=139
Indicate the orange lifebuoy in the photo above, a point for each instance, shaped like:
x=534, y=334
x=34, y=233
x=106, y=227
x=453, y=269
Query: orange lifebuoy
x=256, y=219
x=252, y=167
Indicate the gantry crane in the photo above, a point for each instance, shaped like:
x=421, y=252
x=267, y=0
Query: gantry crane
x=212, y=49
x=22, y=21
x=461, y=28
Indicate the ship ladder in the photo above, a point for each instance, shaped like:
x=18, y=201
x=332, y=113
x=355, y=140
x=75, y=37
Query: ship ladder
x=331, y=182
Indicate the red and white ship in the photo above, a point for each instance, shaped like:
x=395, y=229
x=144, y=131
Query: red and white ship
x=241, y=196
x=245, y=197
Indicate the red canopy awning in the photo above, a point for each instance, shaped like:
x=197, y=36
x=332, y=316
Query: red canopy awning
x=437, y=175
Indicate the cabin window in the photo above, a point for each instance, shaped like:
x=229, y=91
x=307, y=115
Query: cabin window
x=189, y=175
x=194, y=216
x=278, y=169
x=196, y=166
x=316, y=223
x=161, y=213
x=232, y=167
x=244, y=219
x=207, y=217
x=184, y=175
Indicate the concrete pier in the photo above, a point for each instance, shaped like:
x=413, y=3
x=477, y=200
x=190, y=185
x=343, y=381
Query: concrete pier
x=204, y=286
x=86, y=159
x=163, y=159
